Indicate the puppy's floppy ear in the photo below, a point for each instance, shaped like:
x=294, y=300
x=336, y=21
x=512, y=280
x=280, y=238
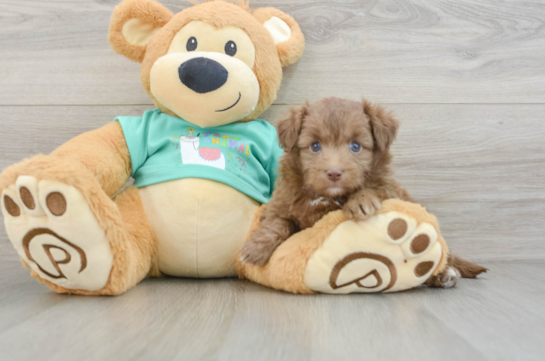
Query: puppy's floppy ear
x=383, y=125
x=132, y=25
x=290, y=127
x=286, y=33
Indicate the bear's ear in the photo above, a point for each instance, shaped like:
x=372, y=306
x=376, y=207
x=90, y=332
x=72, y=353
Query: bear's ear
x=286, y=33
x=132, y=25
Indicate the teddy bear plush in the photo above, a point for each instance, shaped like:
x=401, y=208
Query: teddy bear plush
x=204, y=166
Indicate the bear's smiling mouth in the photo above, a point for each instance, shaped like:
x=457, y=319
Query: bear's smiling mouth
x=239, y=96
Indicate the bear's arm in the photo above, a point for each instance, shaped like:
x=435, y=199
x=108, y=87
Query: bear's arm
x=104, y=152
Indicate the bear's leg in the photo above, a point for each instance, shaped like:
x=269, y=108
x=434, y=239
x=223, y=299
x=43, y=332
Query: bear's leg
x=397, y=249
x=77, y=240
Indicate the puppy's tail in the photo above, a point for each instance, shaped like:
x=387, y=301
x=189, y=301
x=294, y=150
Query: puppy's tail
x=467, y=269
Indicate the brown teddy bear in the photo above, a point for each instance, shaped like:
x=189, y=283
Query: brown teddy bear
x=203, y=165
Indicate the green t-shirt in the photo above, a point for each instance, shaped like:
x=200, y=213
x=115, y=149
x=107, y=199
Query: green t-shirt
x=242, y=155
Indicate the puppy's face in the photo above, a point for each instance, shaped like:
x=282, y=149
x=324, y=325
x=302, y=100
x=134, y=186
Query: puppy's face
x=336, y=143
x=336, y=148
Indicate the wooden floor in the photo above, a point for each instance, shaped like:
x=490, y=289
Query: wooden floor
x=498, y=317
x=466, y=79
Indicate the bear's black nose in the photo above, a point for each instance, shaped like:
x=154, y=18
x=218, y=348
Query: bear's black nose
x=202, y=75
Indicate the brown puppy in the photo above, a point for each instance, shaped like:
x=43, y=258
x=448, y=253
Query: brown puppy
x=336, y=157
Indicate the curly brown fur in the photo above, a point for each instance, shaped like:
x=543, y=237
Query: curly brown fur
x=336, y=157
x=456, y=268
x=304, y=193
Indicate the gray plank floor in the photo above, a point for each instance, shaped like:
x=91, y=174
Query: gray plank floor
x=500, y=316
x=467, y=81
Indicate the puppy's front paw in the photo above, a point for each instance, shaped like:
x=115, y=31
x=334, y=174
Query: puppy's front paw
x=257, y=251
x=362, y=206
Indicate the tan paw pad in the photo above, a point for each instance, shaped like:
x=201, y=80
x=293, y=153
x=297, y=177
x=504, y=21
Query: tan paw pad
x=55, y=232
x=389, y=252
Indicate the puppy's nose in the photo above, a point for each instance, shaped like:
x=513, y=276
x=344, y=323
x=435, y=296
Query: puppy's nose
x=202, y=75
x=334, y=174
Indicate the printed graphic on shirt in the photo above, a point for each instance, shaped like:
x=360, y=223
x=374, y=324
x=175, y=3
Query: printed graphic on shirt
x=192, y=152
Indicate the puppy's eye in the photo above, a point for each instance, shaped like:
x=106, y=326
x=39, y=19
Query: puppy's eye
x=355, y=147
x=191, y=44
x=230, y=48
x=316, y=147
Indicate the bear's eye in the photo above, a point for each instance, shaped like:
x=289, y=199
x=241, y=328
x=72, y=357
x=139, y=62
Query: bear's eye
x=231, y=48
x=355, y=147
x=191, y=44
x=316, y=147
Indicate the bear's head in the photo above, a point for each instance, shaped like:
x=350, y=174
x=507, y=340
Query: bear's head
x=211, y=64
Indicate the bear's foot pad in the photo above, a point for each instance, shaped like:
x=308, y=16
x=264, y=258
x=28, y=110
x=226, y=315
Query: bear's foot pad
x=387, y=253
x=55, y=232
